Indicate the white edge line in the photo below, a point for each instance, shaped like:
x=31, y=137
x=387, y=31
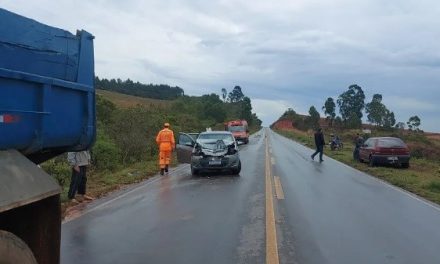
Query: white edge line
x=408, y=193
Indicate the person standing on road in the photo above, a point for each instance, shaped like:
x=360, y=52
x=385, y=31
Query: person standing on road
x=358, y=142
x=79, y=162
x=320, y=143
x=166, y=143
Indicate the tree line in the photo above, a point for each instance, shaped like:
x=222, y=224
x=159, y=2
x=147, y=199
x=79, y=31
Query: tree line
x=155, y=91
x=352, y=106
x=210, y=107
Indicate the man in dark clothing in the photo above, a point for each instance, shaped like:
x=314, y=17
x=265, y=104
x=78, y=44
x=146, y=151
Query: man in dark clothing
x=320, y=143
x=358, y=142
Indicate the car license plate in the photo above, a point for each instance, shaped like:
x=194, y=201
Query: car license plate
x=392, y=158
x=215, y=162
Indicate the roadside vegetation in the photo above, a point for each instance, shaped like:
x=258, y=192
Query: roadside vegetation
x=423, y=176
x=125, y=150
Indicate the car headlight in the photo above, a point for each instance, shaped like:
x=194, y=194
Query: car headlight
x=231, y=150
x=197, y=151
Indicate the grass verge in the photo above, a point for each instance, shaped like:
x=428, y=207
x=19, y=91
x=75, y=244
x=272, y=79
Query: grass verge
x=101, y=183
x=422, y=178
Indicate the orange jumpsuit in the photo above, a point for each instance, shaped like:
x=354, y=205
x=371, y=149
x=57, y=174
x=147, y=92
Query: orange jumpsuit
x=165, y=140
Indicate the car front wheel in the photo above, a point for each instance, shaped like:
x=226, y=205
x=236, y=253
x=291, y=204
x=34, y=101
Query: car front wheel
x=237, y=170
x=405, y=165
x=194, y=171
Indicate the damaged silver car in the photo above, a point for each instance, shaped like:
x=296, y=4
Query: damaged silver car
x=211, y=151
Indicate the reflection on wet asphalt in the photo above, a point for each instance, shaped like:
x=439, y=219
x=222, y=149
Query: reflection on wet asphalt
x=335, y=214
x=330, y=214
x=214, y=218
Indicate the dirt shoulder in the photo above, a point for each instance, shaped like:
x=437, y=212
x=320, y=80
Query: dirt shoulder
x=101, y=184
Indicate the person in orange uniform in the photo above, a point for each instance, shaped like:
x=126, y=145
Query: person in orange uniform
x=166, y=143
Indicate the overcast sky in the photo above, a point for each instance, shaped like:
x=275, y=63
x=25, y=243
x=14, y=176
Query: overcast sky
x=282, y=53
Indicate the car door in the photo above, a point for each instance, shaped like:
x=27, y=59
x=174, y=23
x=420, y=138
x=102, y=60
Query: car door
x=185, y=145
x=194, y=135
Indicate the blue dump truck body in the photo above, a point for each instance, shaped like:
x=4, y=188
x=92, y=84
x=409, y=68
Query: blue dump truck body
x=47, y=107
x=47, y=97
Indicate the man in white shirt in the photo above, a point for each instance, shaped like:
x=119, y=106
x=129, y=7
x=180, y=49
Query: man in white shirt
x=79, y=162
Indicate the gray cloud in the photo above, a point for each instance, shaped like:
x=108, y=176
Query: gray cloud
x=295, y=53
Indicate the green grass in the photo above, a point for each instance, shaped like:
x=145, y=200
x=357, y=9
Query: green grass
x=422, y=178
x=434, y=186
x=127, y=101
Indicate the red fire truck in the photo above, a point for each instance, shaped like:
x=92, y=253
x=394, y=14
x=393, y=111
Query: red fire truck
x=240, y=130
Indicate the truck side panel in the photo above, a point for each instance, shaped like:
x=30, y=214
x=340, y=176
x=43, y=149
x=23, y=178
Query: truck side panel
x=47, y=88
x=29, y=46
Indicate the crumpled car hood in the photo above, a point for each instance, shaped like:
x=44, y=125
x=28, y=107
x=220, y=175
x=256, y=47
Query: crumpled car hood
x=213, y=147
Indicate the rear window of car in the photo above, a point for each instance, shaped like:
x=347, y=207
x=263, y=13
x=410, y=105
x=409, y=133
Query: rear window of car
x=236, y=128
x=391, y=143
x=214, y=136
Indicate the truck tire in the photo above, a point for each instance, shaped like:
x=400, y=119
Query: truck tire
x=13, y=250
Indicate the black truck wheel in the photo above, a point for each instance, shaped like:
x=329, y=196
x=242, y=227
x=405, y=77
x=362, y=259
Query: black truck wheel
x=13, y=250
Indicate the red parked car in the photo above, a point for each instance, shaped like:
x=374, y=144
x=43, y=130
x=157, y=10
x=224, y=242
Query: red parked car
x=385, y=150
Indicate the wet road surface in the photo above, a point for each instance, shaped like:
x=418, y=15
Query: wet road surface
x=283, y=208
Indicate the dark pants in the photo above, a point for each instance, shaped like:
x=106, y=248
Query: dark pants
x=78, y=182
x=356, y=153
x=320, y=150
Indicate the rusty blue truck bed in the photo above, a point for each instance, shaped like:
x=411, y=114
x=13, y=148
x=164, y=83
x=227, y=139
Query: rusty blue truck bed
x=47, y=97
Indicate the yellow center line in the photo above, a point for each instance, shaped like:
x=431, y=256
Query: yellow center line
x=278, y=188
x=271, y=233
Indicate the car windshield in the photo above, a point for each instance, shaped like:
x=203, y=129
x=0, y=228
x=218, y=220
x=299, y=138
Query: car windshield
x=391, y=143
x=215, y=137
x=236, y=128
x=210, y=140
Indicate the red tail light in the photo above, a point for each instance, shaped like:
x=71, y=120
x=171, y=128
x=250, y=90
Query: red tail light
x=8, y=118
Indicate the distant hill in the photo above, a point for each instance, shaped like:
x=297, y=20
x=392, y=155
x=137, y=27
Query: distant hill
x=155, y=91
x=127, y=101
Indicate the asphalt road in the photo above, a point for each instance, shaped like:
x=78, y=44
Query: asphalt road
x=283, y=208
